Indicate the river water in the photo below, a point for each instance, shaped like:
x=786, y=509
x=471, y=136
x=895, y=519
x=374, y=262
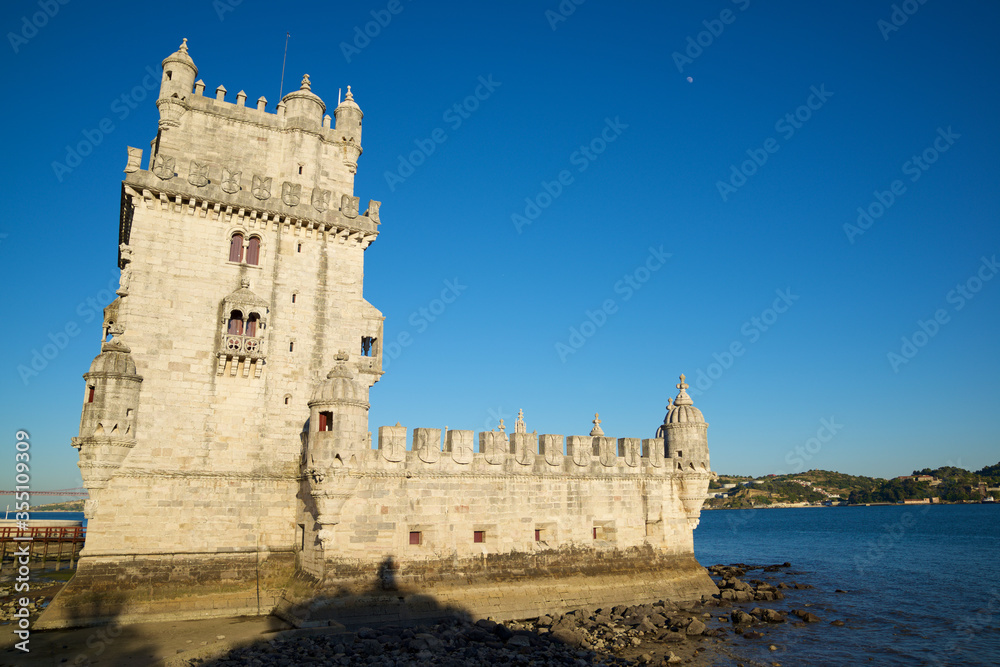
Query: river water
x=922, y=582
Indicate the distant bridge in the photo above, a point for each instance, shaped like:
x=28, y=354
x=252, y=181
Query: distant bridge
x=78, y=492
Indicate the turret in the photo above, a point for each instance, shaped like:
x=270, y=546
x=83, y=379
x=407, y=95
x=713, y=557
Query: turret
x=686, y=433
x=179, y=73
x=349, y=117
x=303, y=107
x=107, y=425
x=338, y=418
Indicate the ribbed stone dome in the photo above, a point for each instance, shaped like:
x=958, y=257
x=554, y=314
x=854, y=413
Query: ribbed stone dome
x=181, y=56
x=340, y=386
x=682, y=410
x=114, y=358
x=684, y=414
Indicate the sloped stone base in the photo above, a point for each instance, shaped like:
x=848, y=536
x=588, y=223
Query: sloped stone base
x=171, y=587
x=500, y=586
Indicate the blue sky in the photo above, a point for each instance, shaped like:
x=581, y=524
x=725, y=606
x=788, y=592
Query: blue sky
x=584, y=183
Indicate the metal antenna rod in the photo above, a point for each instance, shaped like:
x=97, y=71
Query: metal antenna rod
x=281, y=88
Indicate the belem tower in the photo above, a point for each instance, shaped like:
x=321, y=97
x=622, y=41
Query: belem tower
x=224, y=439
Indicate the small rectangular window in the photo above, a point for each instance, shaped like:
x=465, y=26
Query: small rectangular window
x=479, y=536
x=367, y=346
x=293, y=297
x=415, y=537
x=595, y=532
x=300, y=248
x=538, y=535
x=326, y=421
x=680, y=454
x=291, y=346
x=90, y=394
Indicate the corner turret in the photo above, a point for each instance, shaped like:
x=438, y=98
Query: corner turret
x=179, y=73
x=686, y=433
x=348, y=129
x=303, y=106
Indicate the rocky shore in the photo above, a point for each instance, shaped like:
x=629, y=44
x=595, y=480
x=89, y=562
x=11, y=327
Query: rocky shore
x=661, y=633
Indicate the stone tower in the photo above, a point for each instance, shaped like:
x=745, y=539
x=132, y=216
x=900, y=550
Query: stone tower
x=225, y=439
x=242, y=258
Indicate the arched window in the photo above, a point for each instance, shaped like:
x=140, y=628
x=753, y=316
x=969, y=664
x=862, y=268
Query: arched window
x=236, y=248
x=235, y=323
x=253, y=251
x=252, y=324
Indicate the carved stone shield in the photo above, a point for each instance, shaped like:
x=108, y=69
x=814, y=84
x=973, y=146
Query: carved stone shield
x=459, y=443
x=349, y=205
x=579, y=447
x=551, y=446
x=134, y=160
x=523, y=446
x=163, y=166
x=628, y=450
x=427, y=444
x=321, y=199
x=231, y=180
x=392, y=442
x=198, y=174
x=606, y=453
x=261, y=187
x=492, y=445
x=652, y=449
x=291, y=193
x=373, y=207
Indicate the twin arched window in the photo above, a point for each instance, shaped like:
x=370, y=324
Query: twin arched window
x=240, y=327
x=252, y=249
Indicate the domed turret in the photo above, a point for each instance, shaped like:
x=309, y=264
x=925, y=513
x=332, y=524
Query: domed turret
x=686, y=433
x=349, y=117
x=110, y=406
x=303, y=105
x=179, y=73
x=338, y=417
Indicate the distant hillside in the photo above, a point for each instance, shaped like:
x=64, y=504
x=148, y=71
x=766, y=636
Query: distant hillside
x=69, y=506
x=947, y=483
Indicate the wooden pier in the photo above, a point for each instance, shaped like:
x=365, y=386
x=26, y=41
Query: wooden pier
x=47, y=543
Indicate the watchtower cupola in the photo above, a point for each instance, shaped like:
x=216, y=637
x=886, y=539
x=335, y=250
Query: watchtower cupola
x=303, y=106
x=179, y=72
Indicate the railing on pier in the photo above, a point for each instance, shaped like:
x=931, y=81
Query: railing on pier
x=45, y=543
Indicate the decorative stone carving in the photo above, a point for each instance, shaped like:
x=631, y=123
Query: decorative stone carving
x=163, y=167
x=349, y=206
x=198, y=174
x=606, y=453
x=392, y=442
x=134, y=160
x=493, y=445
x=321, y=199
x=628, y=450
x=652, y=449
x=231, y=180
x=459, y=443
x=519, y=426
x=597, y=426
x=523, y=446
x=427, y=444
x=551, y=446
x=372, y=211
x=579, y=447
x=291, y=193
x=261, y=187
